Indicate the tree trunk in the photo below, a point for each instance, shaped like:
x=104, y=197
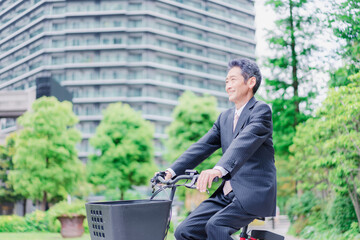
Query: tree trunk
x=354, y=198
x=295, y=81
x=24, y=206
x=122, y=195
x=44, y=203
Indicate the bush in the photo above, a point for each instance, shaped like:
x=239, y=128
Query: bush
x=13, y=224
x=64, y=209
x=301, y=206
x=37, y=221
x=342, y=213
x=40, y=221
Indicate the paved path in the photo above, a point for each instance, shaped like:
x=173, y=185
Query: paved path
x=281, y=226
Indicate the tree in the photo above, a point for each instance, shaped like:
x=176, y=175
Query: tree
x=193, y=117
x=290, y=87
x=291, y=69
x=345, y=22
x=334, y=151
x=46, y=166
x=124, y=145
x=7, y=193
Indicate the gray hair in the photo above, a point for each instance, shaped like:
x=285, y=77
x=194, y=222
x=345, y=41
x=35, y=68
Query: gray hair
x=248, y=69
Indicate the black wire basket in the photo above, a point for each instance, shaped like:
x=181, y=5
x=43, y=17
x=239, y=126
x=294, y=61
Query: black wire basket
x=128, y=220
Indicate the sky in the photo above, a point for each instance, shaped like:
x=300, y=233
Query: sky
x=265, y=18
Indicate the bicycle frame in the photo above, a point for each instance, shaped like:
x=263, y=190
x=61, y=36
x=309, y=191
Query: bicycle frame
x=193, y=176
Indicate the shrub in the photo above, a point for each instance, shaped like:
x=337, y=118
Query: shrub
x=301, y=206
x=13, y=224
x=342, y=213
x=38, y=221
x=64, y=209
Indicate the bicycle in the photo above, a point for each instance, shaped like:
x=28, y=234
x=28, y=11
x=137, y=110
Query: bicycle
x=119, y=220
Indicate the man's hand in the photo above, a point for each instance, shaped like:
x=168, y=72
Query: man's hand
x=206, y=178
x=168, y=175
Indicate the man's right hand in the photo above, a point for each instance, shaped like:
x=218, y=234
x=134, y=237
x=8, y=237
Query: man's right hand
x=168, y=175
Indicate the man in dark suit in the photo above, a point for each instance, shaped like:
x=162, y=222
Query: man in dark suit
x=247, y=166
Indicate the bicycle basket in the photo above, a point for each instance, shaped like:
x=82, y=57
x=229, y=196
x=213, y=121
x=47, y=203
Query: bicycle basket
x=128, y=220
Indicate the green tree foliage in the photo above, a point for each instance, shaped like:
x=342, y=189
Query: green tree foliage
x=303, y=206
x=345, y=21
x=329, y=145
x=46, y=166
x=290, y=85
x=341, y=213
x=124, y=145
x=193, y=117
x=7, y=193
x=292, y=46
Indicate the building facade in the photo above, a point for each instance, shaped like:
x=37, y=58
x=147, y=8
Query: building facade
x=142, y=52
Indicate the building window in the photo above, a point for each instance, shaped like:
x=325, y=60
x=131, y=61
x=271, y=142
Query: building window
x=193, y=66
x=192, y=50
x=217, y=56
x=192, y=34
x=135, y=74
x=166, y=44
x=117, y=23
x=191, y=18
x=134, y=92
x=217, y=71
x=117, y=40
x=76, y=42
x=216, y=40
x=58, y=9
x=165, y=27
x=134, y=57
x=134, y=23
x=167, y=11
x=134, y=6
x=134, y=40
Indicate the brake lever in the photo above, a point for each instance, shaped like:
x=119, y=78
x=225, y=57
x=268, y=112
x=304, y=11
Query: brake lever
x=154, y=181
x=192, y=183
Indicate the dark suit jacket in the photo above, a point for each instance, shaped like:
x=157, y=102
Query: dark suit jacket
x=248, y=156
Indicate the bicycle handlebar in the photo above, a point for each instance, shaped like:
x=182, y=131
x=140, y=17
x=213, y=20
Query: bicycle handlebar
x=189, y=175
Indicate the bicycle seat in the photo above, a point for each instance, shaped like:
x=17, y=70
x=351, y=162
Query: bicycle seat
x=265, y=235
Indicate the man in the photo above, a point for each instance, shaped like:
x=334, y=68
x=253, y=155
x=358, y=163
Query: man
x=247, y=166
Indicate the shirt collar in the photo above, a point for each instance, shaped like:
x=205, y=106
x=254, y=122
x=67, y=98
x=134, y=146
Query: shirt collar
x=238, y=111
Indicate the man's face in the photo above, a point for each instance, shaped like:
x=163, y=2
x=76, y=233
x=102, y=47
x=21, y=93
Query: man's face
x=235, y=85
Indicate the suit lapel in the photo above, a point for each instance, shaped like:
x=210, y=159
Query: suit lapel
x=244, y=116
x=230, y=122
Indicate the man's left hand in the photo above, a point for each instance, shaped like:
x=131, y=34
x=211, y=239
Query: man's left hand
x=206, y=178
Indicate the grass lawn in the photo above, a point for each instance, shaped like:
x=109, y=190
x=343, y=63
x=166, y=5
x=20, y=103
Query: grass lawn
x=38, y=236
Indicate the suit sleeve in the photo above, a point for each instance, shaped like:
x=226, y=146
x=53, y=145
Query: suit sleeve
x=249, y=139
x=199, y=151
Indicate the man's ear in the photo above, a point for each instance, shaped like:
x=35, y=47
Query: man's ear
x=251, y=82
